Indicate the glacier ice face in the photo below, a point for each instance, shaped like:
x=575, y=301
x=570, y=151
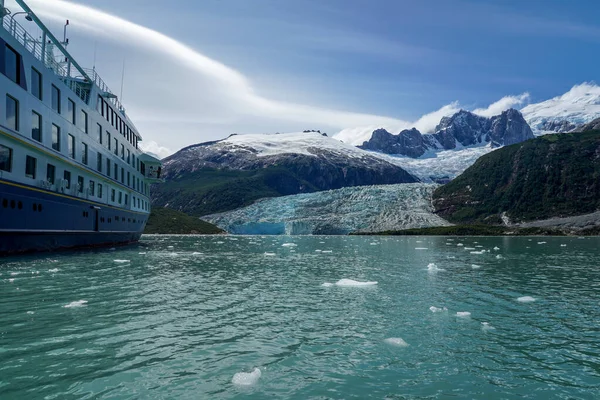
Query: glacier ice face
x=336, y=212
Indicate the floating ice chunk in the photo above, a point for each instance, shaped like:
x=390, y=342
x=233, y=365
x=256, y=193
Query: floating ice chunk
x=327, y=251
x=11, y=280
x=353, y=283
x=121, y=261
x=142, y=252
x=460, y=244
x=269, y=254
x=498, y=256
x=435, y=309
x=449, y=244
x=526, y=299
x=478, y=246
x=327, y=284
x=419, y=241
x=541, y=242
x=78, y=303
x=475, y=266
x=373, y=243
x=463, y=314
x=14, y=273
x=450, y=240
x=219, y=242
x=318, y=251
x=477, y=252
x=432, y=268
x=289, y=245
x=496, y=248
x=169, y=247
x=486, y=326
x=30, y=312
x=469, y=248
x=396, y=341
x=563, y=245
x=53, y=270
x=420, y=248
x=197, y=253
x=246, y=378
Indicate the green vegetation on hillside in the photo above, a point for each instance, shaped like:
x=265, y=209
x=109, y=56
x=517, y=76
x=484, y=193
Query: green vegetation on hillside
x=552, y=176
x=168, y=221
x=207, y=191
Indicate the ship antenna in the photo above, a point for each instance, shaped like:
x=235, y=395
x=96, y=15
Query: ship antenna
x=95, y=51
x=122, y=79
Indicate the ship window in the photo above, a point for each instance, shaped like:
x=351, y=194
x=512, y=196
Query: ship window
x=107, y=167
x=116, y=147
x=12, y=64
x=143, y=168
x=126, y=198
x=5, y=158
x=128, y=178
x=36, y=126
x=84, y=153
x=106, y=112
x=71, y=111
x=112, y=117
x=100, y=190
x=116, y=171
x=50, y=173
x=55, y=99
x=99, y=162
x=99, y=106
x=30, y=166
x=80, y=184
x=99, y=132
x=120, y=197
x=122, y=175
x=55, y=137
x=84, y=121
x=92, y=187
x=12, y=113
x=128, y=156
x=36, y=83
x=67, y=178
x=112, y=195
x=108, y=140
x=71, y=145
x=122, y=152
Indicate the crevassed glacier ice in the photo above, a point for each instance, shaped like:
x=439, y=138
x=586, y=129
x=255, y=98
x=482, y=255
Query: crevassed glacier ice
x=336, y=212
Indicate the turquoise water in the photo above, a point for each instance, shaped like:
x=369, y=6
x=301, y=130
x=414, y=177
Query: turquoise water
x=179, y=322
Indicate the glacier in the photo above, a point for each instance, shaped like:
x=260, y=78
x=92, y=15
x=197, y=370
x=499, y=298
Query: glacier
x=336, y=212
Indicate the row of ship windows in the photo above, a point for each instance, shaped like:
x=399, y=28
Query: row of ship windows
x=12, y=67
x=94, y=189
x=19, y=205
x=12, y=121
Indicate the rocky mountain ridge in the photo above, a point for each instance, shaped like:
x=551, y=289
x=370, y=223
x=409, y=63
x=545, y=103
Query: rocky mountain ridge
x=463, y=129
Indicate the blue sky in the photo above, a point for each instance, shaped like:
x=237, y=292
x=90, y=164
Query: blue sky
x=395, y=59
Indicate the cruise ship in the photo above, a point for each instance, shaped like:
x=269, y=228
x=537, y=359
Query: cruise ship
x=71, y=170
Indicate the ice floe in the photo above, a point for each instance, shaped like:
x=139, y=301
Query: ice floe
x=435, y=309
x=463, y=314
x=246, y=378
x=496, y=248
x=477, y=252
x=475, y=266
x=541, y=242
x=420, y=248
x=486, y=326
x=30, y=312
x=396, y=341
x=432, y=268
x=350, y=283
x=526, y=299
x=289, y=245
x=469, y=248
x=498, y=256
x=327, y=251
x=269, y=254
x=197, y=253
x=121, y=261
x=563, y=245
x=327, y=284
x=53, y=270
x=78, y=303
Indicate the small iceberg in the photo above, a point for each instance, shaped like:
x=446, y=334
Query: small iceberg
x=460, y=244
x=477, y=252
x=289, y=245
x=30, y=312
x=353, y=283
x=435, y=309
x=541, y=242
x=526, y=299
x=475, y=266
x=486, y=326
x=563, y=245
x=432, y=268
x=463, y=314
x=197, y=253
x=496, y=248
x=469, y=248
x=327, y=284
x=269, y=254
x=396, y=341
x=246, y=378
x=327, y=251
x=78, y=303
x=498, y=256
x=121, y=261
x=420, y=248
x=53, y=270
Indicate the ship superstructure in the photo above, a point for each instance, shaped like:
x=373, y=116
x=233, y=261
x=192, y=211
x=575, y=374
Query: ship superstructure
x=71, y=170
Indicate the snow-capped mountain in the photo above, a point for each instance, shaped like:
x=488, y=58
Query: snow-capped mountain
x=564, y=113
x=460, y=130
x=335, y=212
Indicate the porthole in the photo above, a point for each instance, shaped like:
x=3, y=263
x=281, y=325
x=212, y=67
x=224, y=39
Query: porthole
x=34, y=207
x=20, y=205
x=39, y=207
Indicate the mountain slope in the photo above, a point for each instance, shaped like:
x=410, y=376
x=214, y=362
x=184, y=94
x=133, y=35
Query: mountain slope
x=578, y=106
x=231, y=173
x=463, y=129
x=552, y=176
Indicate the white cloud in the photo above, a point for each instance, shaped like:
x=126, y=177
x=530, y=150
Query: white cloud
x=428, y=122
x=174, y=93
x=154, y=148
x=502, y=105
